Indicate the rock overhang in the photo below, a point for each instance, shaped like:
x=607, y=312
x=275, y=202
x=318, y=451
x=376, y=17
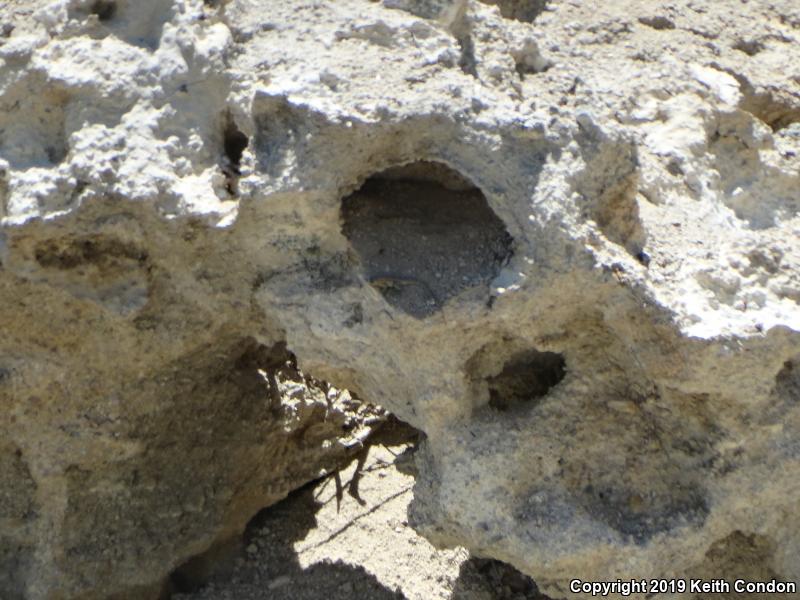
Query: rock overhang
x=644, y=270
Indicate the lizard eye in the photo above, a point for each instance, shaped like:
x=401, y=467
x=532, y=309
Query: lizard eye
x=425, y=234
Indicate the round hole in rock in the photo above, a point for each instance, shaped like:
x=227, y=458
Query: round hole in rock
x=527, y=376
x=424, y=234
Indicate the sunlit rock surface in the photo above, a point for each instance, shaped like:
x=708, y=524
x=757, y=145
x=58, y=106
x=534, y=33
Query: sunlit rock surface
x=560, y=238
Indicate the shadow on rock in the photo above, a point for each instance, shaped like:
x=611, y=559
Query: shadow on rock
x=263, y=564
x=486, y=579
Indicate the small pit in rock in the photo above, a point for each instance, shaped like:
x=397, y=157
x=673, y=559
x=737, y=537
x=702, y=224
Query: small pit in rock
x=425, y=234
x=525, y=378
x=234, y=142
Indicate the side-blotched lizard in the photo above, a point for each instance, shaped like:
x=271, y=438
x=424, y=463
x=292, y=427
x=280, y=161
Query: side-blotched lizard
x=396, y=284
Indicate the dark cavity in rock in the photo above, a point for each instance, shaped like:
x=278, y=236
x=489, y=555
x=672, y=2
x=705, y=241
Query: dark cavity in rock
x=424, y=235
x=525, y=378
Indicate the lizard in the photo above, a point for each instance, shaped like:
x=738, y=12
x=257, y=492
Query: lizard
x=392, y=283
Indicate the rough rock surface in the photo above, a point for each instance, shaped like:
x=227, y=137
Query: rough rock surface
x=561, y=238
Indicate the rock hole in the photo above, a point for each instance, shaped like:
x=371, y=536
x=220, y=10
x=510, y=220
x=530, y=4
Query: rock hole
x=104, y=9
x=521, y=10
x=425, y=234
x=526, y=377
x=234, y=144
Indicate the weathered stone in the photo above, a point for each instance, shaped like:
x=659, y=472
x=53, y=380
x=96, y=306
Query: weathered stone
x=562, y=239
x=139, y=432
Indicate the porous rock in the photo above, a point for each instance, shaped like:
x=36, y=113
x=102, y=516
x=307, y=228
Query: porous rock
x=560, y=238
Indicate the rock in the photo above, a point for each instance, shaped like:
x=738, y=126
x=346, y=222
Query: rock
x=563, y=240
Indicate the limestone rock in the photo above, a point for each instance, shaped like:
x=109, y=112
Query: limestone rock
x=561, y=238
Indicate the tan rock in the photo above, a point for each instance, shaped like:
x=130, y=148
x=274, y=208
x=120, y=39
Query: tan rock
x=561, y=238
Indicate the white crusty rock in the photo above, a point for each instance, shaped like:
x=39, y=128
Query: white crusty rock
x=561, y=238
